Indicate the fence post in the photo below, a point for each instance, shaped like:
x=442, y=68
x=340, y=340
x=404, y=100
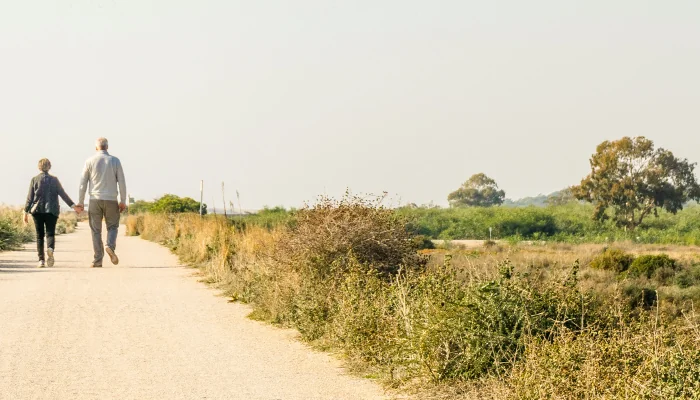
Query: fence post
x=201, y=198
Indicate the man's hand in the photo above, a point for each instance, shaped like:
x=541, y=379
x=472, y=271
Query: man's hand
x=78, y=208
x=26, y=218
x=122, y=207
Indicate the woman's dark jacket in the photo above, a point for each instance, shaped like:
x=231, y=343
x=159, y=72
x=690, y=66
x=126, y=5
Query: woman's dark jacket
x=44, y=191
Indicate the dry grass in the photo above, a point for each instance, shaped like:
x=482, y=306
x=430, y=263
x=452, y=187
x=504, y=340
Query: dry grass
x=499, y=322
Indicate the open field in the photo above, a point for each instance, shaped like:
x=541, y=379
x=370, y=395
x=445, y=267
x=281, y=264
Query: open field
x=496, y=321
x=568, y=223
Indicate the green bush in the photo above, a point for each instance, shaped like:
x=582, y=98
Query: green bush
x=140, y=207
x=422, y=242
x=688, y=277
x=10, y=236
x=12, y=232
x=613, y=260
x=647, y=265
x=168, y=204
x=664, y=275
x=639, y=296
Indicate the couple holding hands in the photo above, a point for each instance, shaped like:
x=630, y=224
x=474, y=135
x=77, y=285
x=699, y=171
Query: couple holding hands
x=104, y=176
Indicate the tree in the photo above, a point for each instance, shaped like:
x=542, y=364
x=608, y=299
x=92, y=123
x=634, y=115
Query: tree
x=169, y=203
x=478, y=191
x=174, y=204
x=635, y=180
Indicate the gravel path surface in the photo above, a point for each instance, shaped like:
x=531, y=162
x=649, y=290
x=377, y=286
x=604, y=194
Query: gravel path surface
x=145, y=329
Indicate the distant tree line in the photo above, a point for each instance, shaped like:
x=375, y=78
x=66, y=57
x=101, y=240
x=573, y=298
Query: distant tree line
x=630, y=179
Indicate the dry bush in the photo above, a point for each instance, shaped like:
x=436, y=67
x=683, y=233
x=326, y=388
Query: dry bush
x=331, y=232
x=67, y=223
x=334, y=240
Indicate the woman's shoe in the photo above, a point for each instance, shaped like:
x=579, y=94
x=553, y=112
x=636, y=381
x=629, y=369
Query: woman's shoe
x=50, y=260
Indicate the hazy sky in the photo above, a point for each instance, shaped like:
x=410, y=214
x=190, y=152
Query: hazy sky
x=284, y=100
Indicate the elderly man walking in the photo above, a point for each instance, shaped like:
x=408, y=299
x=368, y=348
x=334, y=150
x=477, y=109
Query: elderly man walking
x=105, y=176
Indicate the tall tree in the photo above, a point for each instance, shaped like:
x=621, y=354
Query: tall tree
x=478, y=191
x=635, y=180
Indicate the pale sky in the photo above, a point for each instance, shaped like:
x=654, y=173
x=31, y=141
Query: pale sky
x=286, y=100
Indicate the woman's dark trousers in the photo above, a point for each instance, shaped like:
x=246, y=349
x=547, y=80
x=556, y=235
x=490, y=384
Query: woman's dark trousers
x=45, y=226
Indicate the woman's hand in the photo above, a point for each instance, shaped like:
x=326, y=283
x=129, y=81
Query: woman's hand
x=26, y=218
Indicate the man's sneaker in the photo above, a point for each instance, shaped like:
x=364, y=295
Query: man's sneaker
x=41, y=264
x=49, y=260
x=95, y=265
x=112, y=255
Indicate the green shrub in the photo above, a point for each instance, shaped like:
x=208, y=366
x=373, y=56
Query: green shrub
x=647, y=265
x=422, y=242
x=12, y=231
x=613, y=260
x=684, y=279
x=9, y=235
x=638, y=296
x=664, y=275
x=168, y=204
x=638, y=360
x=688, y=277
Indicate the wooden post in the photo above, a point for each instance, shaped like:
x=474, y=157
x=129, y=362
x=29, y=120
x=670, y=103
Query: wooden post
x=201, y=198
x=223, y=196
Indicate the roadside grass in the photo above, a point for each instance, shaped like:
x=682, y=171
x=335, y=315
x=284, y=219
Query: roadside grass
x=503, y=321
x=14, y=233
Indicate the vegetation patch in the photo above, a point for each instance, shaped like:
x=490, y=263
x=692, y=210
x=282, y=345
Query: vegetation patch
x=526, y=322
x=14, y=233
x=648, y=265
x=613, y=260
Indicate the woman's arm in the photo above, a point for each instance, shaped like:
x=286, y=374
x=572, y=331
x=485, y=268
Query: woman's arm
x=64, y=195
x=30, y=197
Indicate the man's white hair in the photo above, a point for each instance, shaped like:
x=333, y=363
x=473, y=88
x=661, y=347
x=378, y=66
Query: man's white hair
x=102, y=143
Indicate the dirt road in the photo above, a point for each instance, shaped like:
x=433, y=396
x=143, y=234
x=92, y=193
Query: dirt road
x=146, y=329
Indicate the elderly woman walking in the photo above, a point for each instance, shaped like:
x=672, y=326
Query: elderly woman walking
x=42, y=204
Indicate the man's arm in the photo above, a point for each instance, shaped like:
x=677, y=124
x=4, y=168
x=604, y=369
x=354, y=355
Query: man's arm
x=84, y=179
x=122, y=183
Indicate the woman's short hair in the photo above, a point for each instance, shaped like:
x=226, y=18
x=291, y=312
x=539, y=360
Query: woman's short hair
x=44, y=165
